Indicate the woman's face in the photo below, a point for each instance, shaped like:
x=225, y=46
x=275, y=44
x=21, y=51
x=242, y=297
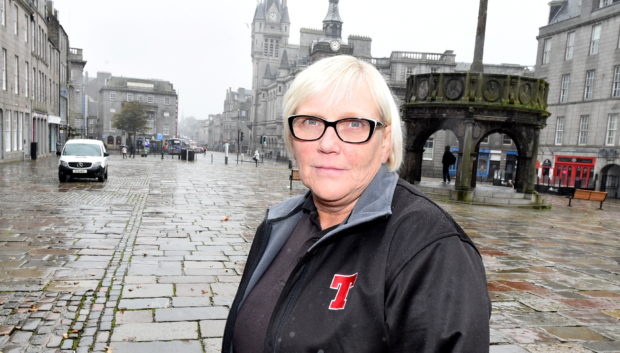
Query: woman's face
x=338, y=172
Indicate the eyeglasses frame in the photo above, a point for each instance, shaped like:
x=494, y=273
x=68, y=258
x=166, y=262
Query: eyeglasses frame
x=374, y=124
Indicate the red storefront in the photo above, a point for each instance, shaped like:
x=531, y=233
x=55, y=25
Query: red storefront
x=566, y=172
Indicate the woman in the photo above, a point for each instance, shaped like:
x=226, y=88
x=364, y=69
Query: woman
x=362, y=262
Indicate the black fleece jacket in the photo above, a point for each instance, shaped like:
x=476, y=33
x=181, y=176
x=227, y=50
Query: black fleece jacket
x=398, y=276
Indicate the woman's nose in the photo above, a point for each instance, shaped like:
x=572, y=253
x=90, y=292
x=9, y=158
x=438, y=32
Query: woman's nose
x=330, y=140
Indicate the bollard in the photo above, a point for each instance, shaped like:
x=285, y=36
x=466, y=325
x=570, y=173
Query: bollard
x=211, y=158
x=226, y=160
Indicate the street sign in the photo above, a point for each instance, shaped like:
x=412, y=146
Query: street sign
x=160, y=137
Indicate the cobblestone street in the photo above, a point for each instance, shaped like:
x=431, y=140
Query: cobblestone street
x=150, y=260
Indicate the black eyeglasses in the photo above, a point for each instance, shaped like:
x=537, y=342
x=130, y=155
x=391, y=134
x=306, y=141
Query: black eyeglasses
x=350, y=130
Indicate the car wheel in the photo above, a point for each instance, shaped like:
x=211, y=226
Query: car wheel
x=62, y=177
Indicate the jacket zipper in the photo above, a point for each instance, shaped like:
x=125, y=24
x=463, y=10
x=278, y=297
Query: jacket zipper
x=298, y=276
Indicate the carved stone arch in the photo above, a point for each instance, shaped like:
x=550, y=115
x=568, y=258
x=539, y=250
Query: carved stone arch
x=473, y=105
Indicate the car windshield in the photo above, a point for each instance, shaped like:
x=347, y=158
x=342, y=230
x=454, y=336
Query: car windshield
x=77, y=149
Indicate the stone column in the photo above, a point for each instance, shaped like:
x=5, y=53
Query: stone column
x=526, y=168
x=465, y=168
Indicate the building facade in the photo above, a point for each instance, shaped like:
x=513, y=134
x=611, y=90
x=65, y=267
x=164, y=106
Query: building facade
x=235, y=119
x=159, y=97
x=33, y=79
x=78, y=107
x=579, y=55
x=276, y=62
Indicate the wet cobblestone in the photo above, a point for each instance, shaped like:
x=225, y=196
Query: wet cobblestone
x=150, y=260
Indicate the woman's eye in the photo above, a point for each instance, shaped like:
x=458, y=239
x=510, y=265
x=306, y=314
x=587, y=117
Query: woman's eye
x=311, y=122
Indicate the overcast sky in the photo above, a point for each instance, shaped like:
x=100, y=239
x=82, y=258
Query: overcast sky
x=203, y=46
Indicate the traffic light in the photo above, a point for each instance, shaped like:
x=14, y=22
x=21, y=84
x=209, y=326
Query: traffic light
x=241, y=135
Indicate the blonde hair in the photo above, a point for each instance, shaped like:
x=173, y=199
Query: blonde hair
x=337, y=75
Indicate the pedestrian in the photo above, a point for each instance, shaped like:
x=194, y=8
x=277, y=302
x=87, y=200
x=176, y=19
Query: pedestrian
x=132, y=151
x=256, y=157
x=362, y=262
x=447, y=160
x=124, y=151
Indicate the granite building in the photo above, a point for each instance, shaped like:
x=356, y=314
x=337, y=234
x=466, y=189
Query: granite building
x=579, y=55
x=33, y=79
x=159, y=97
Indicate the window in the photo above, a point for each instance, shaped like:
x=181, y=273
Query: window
x=26, y=28
x=20, y=129
x=7, y=131
x=3, y=72
x=129, y=97
x=16, y=18
x=271, y=47
x=604, y=3
x=112, y=96
x=546, y=51
x=615, y=86
x=166, y=100
x=428, y=149
x=16, y=75
x=564, y=88
x=27, y=79
x=2, y=12
x=595, y=39
x=589, y=85
x=506, y=140
x=485, y=140
x=612, y=127
x=33, y=33
x=570, y=45
x=559, y=130
x=14, y=132
x=584, y=121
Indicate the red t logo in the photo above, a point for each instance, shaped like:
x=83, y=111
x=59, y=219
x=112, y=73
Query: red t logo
x=342, y=283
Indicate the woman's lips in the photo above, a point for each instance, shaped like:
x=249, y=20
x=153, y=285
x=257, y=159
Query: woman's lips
x=323, y=169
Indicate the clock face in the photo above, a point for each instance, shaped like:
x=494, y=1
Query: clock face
x=334, y=45
x=273, y=16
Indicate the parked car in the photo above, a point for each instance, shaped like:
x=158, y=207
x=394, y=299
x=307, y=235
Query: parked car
x=82, y=158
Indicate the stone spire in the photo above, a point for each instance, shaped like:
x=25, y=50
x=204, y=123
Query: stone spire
x=332, y=24
x=477, y=65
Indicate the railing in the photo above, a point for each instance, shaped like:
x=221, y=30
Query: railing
x=447, y=57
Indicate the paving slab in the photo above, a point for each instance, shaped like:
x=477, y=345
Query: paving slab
x=191, y=314
x=160, y=331
x=185, y=346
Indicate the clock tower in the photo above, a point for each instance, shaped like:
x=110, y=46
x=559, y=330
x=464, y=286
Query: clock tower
x=270, y=35
x=331, y=43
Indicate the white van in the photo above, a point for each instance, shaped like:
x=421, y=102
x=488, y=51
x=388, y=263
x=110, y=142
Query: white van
x=83, y=159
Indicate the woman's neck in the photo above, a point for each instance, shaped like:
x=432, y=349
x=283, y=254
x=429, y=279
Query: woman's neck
x=331, y=215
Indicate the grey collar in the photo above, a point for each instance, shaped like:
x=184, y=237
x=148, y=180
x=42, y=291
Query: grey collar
x=375, y=201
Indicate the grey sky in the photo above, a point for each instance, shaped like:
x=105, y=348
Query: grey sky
x=203, y=46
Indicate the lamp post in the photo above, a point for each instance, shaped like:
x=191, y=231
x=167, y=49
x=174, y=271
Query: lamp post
x=238, y=133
